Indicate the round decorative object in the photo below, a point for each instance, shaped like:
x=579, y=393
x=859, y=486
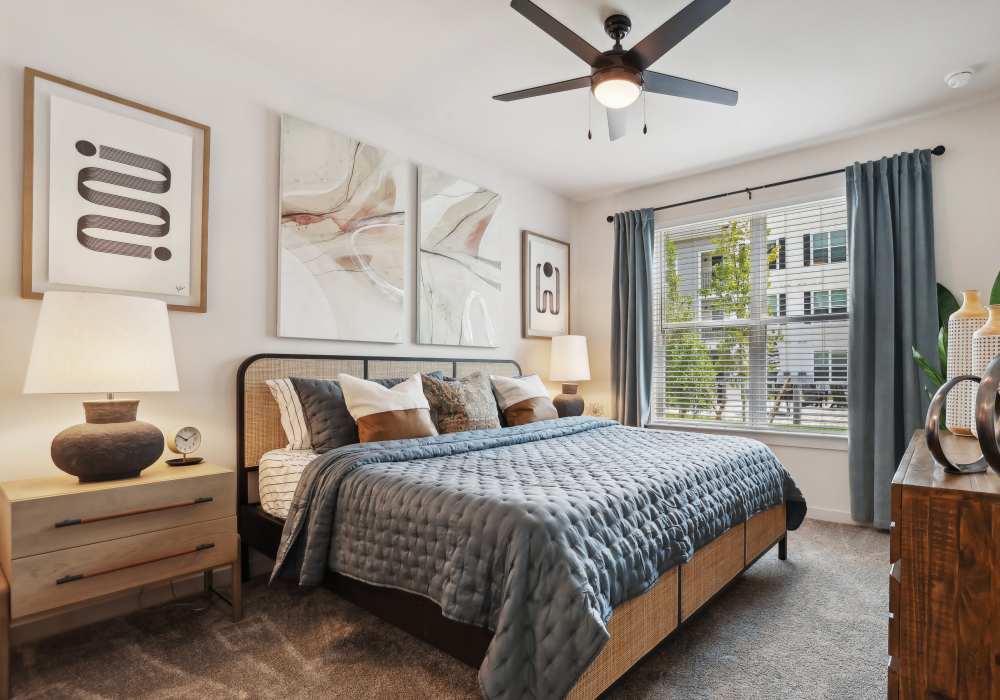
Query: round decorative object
x=112, y=444
x=985, y=346
x=933, y=428
x=988, y=413
x=184, y=441
x=959, y=411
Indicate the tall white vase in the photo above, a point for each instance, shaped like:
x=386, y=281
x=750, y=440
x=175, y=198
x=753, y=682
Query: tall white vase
x=985, y=347
x=959, y=414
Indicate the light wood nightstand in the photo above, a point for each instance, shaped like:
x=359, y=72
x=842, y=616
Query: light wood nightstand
x=64, y=544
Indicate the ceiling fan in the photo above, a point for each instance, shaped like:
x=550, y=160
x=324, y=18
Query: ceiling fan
x=617, y=77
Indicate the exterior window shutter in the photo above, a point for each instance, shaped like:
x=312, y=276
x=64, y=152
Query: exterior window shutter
x=806, y=250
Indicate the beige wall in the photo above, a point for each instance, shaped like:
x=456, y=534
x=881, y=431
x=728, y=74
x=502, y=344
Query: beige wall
x=967, y=227
x=241, y=98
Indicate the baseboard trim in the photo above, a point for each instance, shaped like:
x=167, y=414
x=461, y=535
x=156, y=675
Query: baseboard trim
x=831, y=516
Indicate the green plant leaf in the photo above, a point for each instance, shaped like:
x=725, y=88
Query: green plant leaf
x=995, y=292
x=933, y=374
x=947, y=304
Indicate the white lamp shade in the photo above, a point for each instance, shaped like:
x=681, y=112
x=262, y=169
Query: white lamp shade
x=568, y=361
x=89, y=343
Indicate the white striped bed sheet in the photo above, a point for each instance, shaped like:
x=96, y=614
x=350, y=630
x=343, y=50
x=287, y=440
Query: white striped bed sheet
x=278, y=475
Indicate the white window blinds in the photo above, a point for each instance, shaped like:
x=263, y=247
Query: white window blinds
x=750, y=314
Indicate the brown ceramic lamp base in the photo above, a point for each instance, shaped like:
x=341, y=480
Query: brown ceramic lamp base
x=112, y=444
x=569, y=402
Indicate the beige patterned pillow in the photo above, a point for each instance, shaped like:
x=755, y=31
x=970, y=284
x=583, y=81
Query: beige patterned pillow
x=461, y=404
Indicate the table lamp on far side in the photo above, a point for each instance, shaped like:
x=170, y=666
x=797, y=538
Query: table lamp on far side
x=87, y=343
x=569, y=364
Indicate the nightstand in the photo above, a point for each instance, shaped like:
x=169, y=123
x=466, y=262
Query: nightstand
x=64, y=544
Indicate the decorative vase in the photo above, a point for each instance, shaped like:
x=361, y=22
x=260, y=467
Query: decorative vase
x=985, y=346
x=960, y=413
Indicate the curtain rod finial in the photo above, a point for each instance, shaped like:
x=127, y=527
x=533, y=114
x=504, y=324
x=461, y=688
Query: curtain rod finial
x=610, y=219
x=938, y=150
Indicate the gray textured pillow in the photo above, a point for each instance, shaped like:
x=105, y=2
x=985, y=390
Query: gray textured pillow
x=461, y=404
x=330, y=424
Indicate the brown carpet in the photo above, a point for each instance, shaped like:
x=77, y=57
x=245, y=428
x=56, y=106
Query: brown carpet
x=813, y=626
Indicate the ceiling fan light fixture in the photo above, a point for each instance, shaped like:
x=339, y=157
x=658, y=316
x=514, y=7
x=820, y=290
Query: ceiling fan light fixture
x=616, y=88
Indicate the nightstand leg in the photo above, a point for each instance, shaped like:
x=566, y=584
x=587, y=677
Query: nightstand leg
x=209, y=582
x=237, y=577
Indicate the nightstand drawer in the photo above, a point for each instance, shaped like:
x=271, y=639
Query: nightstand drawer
x=84, y=517
x=51, y=580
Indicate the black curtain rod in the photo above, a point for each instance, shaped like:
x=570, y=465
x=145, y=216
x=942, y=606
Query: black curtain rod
x=937, y=150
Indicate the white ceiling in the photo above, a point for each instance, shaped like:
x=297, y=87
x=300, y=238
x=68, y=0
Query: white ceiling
x=807, y=71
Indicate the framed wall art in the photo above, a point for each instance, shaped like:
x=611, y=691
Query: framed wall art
x=459, y=291
x=115, y=196
x=341, y=253
x=545, y=283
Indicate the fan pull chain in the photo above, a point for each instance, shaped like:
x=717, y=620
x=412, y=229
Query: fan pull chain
x=590, y=136
x=644, y=129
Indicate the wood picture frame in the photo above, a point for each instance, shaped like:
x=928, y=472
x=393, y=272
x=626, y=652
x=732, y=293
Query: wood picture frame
x=39, y=87
x=528, y=328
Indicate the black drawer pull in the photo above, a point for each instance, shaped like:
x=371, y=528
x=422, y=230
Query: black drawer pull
x=140, y=511
x=78, y=577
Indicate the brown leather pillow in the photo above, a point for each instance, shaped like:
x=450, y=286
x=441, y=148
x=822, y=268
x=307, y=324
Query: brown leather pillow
x=523, y=399
x=388, y=414
x=530, y=411
x=396, y=425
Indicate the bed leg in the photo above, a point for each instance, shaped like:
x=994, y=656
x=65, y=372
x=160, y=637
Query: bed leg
x=783, y=548
x=244, y=561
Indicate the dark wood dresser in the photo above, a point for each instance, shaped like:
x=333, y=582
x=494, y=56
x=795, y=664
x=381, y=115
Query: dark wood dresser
x=944, y=581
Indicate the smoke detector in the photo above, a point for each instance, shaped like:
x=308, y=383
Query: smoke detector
x=958, y=79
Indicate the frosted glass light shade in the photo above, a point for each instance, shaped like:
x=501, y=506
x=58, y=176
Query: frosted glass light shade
x=88, y=343
x=568, y=361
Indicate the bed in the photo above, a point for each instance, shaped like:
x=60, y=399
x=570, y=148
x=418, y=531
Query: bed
x=627, y=533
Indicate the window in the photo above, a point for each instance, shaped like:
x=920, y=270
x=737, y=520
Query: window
x=752, y=320
x=776, y=254
x=825, y=301
x=825, y=247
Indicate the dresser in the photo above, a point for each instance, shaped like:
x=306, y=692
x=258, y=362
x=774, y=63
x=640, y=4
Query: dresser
x=64, y=544
x=944, y=580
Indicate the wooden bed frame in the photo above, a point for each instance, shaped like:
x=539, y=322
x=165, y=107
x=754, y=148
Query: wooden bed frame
x=636, y=626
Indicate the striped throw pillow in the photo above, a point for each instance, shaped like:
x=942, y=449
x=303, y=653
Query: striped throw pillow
x=293, y=420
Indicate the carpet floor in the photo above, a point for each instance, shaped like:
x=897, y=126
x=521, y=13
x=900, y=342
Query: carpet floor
x=813, y=626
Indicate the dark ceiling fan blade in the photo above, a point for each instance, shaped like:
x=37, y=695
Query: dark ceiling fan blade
x=562, y=86
x=682, y=87
x=671, y=32
x=617, y=123
x=557, y=30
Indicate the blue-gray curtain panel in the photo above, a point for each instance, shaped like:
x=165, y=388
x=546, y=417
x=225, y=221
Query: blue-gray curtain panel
x=632, y=316
x=893, y=307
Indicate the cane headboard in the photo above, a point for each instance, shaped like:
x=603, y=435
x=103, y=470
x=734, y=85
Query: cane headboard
x=258, y=420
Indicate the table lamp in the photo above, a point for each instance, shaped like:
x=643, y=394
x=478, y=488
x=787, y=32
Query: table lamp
x=103, y=343
x=569, y=364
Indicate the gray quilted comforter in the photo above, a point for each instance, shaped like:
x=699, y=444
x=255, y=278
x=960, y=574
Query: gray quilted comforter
x=536, y=532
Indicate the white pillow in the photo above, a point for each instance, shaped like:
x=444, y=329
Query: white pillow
x=381, y=413
x=512, y=390
x=293, y=420
x=365, y=398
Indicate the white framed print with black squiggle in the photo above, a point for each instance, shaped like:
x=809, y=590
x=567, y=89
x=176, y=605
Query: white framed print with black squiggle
x=545, y=286
x=115, y=196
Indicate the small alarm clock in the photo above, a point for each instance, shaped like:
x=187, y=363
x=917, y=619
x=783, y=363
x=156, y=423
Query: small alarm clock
x=184, y=441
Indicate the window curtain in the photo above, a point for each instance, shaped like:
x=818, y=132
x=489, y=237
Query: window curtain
x=893, y=306
x=631, y=316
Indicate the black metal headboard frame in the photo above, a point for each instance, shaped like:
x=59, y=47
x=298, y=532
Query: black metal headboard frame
x=259, y=530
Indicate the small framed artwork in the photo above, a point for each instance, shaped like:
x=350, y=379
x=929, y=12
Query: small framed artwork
x=545, y=285
x=115, y=196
